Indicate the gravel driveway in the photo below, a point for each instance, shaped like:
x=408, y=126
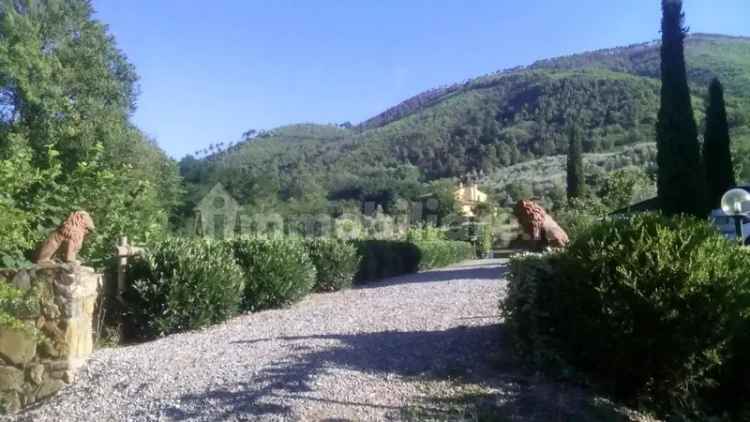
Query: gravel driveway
x=421, y=346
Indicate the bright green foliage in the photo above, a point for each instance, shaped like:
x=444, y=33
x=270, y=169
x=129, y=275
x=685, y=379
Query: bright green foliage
x=681, y=182
x=278, y=271
x=65, y=139
x=16, y=303
x=647, y=305
x=19, y=177
x=426, y=232
x=717, y=155
x=441, y=253
x=575, y=177
x=480, y=234
x=615, y=192
x=336, y=263
x=485, y=239
x=182, y=284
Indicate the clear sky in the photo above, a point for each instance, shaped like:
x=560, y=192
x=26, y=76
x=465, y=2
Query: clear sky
x=211, y=70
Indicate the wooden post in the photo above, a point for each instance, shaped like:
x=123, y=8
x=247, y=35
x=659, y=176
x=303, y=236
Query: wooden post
x=123, y=251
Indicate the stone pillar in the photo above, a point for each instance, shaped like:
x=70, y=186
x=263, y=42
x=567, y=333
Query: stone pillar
x=37, y=361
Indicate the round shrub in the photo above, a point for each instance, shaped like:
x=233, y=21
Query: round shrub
x=181, y=284
x=336, y=263
x=646, y=304
x=278, y=271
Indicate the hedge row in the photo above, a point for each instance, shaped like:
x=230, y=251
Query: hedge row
x=183, y=284
x=655, y=310
x=180, y=285
x=434, y=254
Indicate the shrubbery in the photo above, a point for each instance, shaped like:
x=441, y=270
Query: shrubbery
x=182, y=284
x=278, y=271
x=425, y=233
x=433, y=254
x=386, y=258
x=336, y=263
x=649, y=306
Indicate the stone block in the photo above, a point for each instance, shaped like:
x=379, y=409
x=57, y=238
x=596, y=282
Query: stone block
x=11, y=379
x=36, y=367
x=22, y=280
x=10, y=401
x=36, y=374
x=49, y=387
x=17, y=346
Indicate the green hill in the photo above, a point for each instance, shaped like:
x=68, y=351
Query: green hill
x=479, y=127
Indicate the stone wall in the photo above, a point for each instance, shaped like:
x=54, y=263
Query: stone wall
x=37, y=361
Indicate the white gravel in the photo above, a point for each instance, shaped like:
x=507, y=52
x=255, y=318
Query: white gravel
x=360, y=354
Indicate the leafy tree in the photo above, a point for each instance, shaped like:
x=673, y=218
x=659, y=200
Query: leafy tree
x=66, y=143
x=716, y=146
x=681, y=182
x=575, y=176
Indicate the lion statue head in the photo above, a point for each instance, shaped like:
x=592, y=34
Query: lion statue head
x=67, y=238
x=539, y=225
x=531, y=218
x=77, y=225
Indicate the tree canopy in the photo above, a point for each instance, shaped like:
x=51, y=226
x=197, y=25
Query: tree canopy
x=66, y=143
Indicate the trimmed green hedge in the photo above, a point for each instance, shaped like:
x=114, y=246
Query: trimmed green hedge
x=388, y=258
x=653, y=308
x=181, y=284
x=184, y=284
x=441, y=253
x=278, y=271
x=385, y=258
x=336, y=263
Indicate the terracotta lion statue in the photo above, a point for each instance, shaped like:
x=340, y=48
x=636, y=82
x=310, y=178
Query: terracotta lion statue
x=67, y=239
x=536, y=223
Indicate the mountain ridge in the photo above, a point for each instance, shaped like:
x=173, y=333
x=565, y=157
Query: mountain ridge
x=428, y=97
x=477, y=128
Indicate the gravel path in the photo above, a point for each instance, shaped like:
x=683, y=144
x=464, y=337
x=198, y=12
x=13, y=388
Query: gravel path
x=421, y=346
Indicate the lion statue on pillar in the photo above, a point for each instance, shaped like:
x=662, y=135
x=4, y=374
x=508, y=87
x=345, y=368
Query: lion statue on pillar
x=67, y=239
x=536, y=223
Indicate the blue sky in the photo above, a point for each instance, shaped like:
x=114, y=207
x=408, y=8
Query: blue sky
x=211, y=70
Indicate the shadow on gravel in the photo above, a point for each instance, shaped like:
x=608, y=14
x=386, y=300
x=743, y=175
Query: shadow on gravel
x=486, y=381
x=449, y=354
x=478, y=272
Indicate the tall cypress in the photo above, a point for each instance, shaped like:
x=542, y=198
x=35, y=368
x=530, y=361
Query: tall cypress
x=575, y=163
x=681, y=178
x=716, y=153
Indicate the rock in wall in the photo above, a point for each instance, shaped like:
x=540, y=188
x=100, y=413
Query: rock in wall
x=37, y=361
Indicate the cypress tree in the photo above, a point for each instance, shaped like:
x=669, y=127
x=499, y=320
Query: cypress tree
x=576, y=184
x=716, y=153
x=681, y=178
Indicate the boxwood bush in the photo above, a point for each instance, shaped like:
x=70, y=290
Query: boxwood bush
x=385, y=258
x=336, y=263
x=181, y=284
x=649, y=306
x=278, y=271
x=440, y=253
x=388, y=258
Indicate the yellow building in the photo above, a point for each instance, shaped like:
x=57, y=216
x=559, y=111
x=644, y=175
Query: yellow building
x=468, y=197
